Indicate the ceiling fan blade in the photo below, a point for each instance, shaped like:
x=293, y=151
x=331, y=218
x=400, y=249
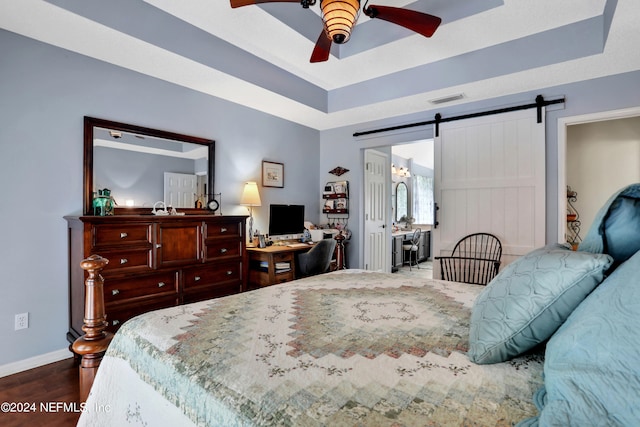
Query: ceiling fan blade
x=323, y=48
x=240, y=3
x=421, y=23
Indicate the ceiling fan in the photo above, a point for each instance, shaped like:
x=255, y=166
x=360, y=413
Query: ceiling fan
x=339, y=17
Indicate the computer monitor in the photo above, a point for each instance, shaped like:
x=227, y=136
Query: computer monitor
x=286, y=220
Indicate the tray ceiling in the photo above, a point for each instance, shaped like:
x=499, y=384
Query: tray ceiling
x=258, y=56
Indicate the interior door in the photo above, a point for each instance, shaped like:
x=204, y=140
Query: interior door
x=180, y=189
x=490, y=177
x=377, y=250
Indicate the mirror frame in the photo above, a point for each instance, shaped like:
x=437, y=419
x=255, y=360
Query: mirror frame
x=91, y=122
x=397, y=216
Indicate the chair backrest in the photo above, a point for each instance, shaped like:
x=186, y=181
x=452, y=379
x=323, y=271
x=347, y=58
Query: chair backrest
x=479, y=245
x=318, y=259
x=475, y=259
x=415, y=239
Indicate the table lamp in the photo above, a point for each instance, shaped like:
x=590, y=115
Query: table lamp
x=250, y=198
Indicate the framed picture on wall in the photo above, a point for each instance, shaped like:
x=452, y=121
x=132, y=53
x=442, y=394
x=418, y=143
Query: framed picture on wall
x=272, y=174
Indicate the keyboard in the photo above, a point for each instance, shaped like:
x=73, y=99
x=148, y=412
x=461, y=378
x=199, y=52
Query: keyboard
x=298, y=245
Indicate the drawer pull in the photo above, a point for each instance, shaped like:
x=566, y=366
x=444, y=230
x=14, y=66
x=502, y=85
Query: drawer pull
x=161, y=284
x=115, y=292
x=229, y=272
x=123, y=260
x=223, y=250
x=115, y=322
x=196, y=278
x=158, y=245
x=223, y=230
x=123, y=235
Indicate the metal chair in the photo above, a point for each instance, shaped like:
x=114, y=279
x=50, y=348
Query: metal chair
x=475, y=259
x=318, y=259
x=411, y=247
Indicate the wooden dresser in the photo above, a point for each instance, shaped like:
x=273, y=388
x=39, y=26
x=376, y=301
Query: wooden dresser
x=155, y=262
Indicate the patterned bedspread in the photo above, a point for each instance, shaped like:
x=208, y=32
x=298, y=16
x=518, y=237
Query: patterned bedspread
x=349, y=348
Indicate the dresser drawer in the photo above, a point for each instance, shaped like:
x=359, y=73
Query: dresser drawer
x=122, y=290
x=131, y=260
x=212, y=274
x=224, y=229
x=211, y=291
x=116, y=317
x=220, y=249
x=122, y=234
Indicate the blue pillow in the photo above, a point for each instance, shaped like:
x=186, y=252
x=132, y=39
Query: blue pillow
x=592, y=363
x=528, y=300
x=622, y=229
x=616, y=227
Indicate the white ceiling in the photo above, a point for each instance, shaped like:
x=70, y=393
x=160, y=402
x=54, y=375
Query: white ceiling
x=259, y=55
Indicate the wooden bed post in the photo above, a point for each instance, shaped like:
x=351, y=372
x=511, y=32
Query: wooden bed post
x=93, y=344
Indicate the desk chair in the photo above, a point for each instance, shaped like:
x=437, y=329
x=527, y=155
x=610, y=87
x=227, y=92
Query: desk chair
x=318, y=259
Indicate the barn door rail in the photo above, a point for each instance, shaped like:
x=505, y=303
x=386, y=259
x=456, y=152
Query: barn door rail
x=539, y=103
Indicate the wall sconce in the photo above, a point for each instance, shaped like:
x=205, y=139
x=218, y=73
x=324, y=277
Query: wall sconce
x=250, y=198
x=402, y=172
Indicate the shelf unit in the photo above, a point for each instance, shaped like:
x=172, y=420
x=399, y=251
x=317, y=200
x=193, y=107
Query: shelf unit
x=336, y=198
x=573, y=220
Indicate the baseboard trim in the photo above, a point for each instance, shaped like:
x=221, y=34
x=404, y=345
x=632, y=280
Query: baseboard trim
x=34, y=362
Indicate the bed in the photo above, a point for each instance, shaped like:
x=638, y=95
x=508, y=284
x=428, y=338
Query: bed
x=346, y=348
x=552, y=341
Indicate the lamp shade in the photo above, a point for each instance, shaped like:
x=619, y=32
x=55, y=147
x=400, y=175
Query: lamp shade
x=250, y=195
x=339, y=17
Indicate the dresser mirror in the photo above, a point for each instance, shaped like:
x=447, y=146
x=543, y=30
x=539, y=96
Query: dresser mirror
x=140, y=167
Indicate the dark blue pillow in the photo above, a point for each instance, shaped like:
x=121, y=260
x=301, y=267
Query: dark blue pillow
x=616, y=226
x=622, y=229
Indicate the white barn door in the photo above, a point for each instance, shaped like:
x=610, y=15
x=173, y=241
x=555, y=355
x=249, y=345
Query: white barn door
x=490, y=177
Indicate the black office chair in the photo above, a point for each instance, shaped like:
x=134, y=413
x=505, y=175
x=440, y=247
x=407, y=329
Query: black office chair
x=475, y=259
x=318, y=259
x=410, y=248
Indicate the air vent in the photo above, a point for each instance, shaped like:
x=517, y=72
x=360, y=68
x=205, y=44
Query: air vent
x=445, y=99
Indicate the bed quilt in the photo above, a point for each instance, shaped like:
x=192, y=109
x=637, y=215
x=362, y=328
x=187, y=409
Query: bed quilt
x=349, y=348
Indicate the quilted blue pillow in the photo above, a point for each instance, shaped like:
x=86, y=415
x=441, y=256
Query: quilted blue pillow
x=616, y=227
x=622, y=228
x=528, y=300
x=592, y=374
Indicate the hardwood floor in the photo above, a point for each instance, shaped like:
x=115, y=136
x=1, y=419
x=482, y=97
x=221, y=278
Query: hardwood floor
x=45, y=391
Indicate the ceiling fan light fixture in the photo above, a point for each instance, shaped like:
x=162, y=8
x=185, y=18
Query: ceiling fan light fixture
x=339, y=17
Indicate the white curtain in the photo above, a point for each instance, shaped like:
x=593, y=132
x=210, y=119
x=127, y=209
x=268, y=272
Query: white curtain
x=423, y=199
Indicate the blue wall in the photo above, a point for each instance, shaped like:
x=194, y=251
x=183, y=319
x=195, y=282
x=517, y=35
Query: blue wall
x=44, y=94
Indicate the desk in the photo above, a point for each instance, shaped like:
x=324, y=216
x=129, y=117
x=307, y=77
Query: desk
x=259, y=276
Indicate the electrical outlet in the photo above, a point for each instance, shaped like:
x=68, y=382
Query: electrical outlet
x=22, y=321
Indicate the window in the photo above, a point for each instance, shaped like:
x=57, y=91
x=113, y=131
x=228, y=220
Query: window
x=423, y=199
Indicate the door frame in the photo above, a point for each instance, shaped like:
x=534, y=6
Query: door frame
x=563, y=124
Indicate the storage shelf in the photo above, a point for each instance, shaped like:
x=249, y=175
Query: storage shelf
x=335, y=196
